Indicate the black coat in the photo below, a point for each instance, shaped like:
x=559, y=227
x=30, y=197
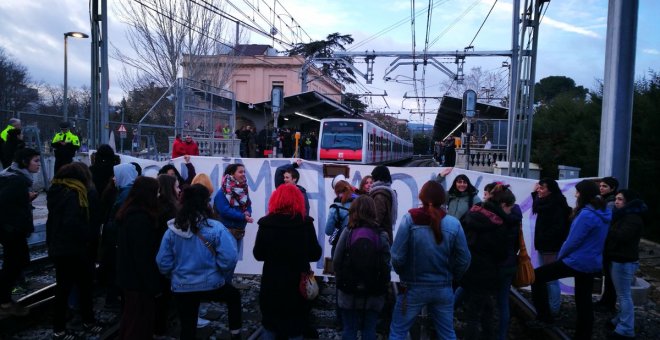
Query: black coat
x=70, y=229
x=15, y=204
x=486, y=233
x=552, y=221
x=137, y=246
x=286, y=246
x=9, y=148
x=622, y=243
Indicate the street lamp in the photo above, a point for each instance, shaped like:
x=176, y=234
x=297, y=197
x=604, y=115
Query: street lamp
x=66, y=98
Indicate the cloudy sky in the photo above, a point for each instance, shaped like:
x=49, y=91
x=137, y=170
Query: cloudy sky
x=572, y=37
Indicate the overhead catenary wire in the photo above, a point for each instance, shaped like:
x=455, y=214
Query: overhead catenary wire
x=482, y=24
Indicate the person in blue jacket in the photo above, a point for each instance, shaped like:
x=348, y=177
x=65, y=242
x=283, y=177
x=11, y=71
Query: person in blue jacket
x=429, y=253
x=199, y=255
x=232, y=202
x=581, y=257
x=338, y=213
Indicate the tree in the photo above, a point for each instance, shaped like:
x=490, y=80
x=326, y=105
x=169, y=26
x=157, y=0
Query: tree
x=15, y=92
x=567, y=132
x=421, y=143
x=549, y=88
x=490, y=86
x=325, y=49
x=353, y=101
x=165, y=32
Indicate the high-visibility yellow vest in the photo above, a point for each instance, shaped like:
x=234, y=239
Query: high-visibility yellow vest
x=4, y=132
x=67, y=137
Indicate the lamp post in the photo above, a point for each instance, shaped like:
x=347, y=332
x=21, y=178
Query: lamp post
x=66, y=98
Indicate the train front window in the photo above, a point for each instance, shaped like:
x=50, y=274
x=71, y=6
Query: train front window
x=342, y=135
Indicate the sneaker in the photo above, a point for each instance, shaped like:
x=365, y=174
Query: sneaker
x=12, y=308
x=63, y=336
x=92, y=327
x=201, y=323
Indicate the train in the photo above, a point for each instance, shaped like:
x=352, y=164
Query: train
x=359, y=141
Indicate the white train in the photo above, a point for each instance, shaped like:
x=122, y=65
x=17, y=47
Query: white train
x=345, y=140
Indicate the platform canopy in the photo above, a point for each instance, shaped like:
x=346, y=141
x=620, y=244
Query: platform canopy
x=450, y=115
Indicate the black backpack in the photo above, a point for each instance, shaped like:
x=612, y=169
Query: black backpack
x=361, y=272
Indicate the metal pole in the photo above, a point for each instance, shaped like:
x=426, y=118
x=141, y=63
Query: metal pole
x=514, y=75
x=618, y=90
x=65, y=100
x=104, y=73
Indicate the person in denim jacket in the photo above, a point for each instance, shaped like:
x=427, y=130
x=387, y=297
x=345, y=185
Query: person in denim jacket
x=338, y=211
x=199, y=254
x=429, y=253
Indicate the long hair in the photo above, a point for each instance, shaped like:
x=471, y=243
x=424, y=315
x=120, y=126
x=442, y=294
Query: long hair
x=142, y=197
x=363, y=182
x=502, y=193
x=76, y=170
x=344, y=191
x=433, y=197
x=168, y=167
x=551, y=184
x=204, y=180
x=362, y=212
x=195, y=209
x=166, y=194
x=471, y=190
x=287, y=200
x=589, y=194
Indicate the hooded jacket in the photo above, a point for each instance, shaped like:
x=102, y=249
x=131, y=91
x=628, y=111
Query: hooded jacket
x=583, y=249
x=189, y=264
x=15, y=204
x=419, y=260
x=622, y=242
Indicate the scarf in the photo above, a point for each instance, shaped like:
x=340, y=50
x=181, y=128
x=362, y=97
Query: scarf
x=236, y=192
x=78, y=187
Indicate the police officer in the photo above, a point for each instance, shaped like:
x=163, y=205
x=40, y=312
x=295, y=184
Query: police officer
x=14, y=123
x=65, y=143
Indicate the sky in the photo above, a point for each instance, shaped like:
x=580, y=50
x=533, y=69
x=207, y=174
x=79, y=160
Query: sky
x=571, y=39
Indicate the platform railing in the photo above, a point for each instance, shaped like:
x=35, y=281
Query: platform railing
x=480, y=159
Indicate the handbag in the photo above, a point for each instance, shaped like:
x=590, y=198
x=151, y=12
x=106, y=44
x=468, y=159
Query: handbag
x=237, y=233
x=207, y=244
x=309, y=288
x=525, y=271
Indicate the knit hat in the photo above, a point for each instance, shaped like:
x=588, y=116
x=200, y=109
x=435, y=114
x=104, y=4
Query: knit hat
x=611, y=182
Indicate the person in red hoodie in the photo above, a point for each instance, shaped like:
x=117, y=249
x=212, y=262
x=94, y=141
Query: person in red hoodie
x=190, y=147
x=178, y=149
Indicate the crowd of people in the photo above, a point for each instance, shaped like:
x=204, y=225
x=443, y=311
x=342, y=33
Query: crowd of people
x=176, y=240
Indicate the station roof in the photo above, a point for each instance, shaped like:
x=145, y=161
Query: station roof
x=310, y=103
x=450, y=115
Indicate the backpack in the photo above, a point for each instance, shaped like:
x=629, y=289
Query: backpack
x=361, y=272
x=334, y=238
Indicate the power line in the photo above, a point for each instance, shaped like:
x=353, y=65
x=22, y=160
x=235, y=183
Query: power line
x=482, y=24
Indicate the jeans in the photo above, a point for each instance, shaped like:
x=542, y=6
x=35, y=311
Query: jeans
x=554, y=292
x=269, y=335
x=503, y=291
x=439, y=301
x=583, y=285
x=188, y=308
x=362, y=320
x=623, y=274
